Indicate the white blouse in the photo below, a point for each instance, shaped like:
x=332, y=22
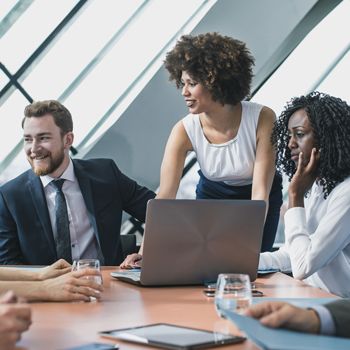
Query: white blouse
x=317, y=248
x=231, y=162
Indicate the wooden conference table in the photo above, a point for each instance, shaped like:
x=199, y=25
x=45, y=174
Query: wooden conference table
x=64, y=325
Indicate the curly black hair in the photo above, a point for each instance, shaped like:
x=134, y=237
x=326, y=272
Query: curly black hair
x=223, y=65
x=330, y=120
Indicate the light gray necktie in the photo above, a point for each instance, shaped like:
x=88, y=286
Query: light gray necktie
x=62, y=235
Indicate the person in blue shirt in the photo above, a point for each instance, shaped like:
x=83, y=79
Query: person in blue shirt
x=329, y=319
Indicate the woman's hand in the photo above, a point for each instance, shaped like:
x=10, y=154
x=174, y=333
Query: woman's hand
x=132, y=261
x=15, y=318
x=303, y=179
x=60, y=267
x=74, y=286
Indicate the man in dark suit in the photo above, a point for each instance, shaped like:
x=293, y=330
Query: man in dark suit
x=41, y=221
x=331, y=319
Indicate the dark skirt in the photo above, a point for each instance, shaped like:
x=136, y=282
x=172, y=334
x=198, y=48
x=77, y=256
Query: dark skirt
x=207, y=189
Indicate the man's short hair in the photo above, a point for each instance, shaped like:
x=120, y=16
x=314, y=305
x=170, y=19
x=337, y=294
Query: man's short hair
x=60, y=114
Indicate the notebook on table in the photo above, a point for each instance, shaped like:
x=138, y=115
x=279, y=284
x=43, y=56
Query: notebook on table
x=189, y=242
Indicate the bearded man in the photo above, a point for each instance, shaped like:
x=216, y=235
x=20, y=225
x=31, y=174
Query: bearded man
x=62, y=207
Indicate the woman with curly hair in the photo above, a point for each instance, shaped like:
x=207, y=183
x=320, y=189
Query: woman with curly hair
x=231, y=137
x=313, y=149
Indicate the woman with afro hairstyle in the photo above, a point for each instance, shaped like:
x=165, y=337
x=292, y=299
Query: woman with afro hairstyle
x=312, y=139
x=231, y=137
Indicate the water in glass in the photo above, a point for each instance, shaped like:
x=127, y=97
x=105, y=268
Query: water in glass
x=233, y=293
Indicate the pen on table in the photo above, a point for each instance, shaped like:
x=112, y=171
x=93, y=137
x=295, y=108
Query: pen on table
x=74, y=265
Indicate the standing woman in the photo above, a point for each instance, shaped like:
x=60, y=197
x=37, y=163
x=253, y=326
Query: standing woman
x=231, y=137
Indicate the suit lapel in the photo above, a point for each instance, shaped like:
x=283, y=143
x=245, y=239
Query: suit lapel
x=39, y=202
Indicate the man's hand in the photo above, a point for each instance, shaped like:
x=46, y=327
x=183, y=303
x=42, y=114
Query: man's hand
x=73, y=286
x=60, y=267
x=132, y=261
x=14, y=319
x=281, y=314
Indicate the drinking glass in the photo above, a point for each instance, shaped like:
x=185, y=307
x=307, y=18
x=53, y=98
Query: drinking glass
x=89, y=264
x=233, y=293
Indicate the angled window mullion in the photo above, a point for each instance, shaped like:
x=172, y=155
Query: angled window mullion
x=156, y=58
x=10, y=156
x=3, y=79
x=89, y=67
x=8, y=93
x=13, y=83
x=131, y=77
x=23, y=69
x=330, y=68
x=68, y=70
x=12, y=109
x=337, y=82
x=304, y=67
x=12, y=16
x=33, y=58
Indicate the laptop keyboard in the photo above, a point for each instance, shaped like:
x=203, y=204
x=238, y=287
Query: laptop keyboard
x=133, y=275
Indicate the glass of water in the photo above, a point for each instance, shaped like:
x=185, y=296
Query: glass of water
x=233, y=293
x=90, y=264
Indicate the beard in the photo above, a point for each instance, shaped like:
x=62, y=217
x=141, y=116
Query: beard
x=52, y=164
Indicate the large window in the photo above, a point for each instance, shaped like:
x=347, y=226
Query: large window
x=320, y=62
x=94, y=56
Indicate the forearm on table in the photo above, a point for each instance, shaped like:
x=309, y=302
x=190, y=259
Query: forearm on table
x=30, y=290
x=15, y=274
x=278, y=260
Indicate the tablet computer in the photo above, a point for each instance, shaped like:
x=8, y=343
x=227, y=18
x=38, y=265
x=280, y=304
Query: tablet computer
x=169, y=336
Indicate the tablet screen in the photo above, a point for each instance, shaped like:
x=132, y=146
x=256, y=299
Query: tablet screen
x=173, y=337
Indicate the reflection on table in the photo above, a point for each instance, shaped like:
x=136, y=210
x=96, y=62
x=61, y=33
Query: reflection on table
x=63, y=325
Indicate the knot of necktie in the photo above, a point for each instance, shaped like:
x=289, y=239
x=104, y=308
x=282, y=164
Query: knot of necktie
x=58, y=184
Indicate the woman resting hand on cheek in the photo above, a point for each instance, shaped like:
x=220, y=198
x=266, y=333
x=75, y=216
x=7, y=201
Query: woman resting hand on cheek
x=313, y=149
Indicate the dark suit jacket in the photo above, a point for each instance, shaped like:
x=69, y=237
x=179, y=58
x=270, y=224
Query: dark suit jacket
x=340, y=311
x=25, y=229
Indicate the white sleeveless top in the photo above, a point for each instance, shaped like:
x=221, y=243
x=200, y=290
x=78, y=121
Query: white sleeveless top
x=231, y=162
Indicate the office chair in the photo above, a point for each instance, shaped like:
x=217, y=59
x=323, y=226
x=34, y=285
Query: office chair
x=128, y=243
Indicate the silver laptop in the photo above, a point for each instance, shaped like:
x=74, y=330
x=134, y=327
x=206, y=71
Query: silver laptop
x=189, y=242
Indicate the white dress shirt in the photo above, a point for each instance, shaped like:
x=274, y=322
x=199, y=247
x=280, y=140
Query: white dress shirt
x=83, y=240
x=317, y=248
x=327, y=325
